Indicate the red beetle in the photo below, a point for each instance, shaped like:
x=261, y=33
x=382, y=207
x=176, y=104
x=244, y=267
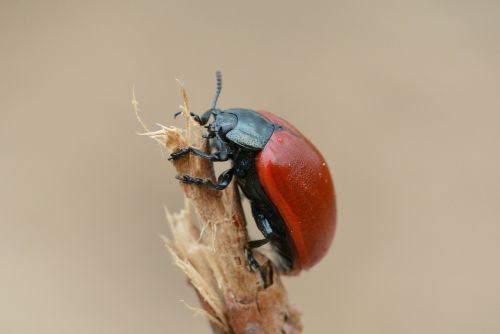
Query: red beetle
x=283, y=175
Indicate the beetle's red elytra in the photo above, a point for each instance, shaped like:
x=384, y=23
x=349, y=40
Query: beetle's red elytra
x=297, y=180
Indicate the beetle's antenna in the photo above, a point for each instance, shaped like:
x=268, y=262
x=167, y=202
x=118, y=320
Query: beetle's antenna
x=218, y=74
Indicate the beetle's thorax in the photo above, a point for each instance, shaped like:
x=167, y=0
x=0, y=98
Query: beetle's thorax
x=243, y=127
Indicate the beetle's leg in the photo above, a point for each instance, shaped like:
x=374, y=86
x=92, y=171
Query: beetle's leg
x=200, y=120
x=273, y=231
x=269, y=266
x=265, y=227
x=257, y=243
x=265, y=274
x=222, y=155
x=203, y=119
x=222, y=181
x=208, y=135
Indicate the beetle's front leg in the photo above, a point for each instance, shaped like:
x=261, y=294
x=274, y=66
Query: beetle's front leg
x=222, y=155
x=202, y=120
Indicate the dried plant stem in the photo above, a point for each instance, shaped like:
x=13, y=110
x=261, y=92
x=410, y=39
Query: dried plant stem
x=210, y=253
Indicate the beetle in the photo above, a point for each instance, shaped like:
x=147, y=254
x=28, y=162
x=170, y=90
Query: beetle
x=281, y=172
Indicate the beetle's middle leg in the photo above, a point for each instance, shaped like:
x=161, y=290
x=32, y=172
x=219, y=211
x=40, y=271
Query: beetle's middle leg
x=222, y=181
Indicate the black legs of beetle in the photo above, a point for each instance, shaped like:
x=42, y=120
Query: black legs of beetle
x=257, y=243
x=266, y=273
x=264, y=225
x=222, y=181
x=261, y=214
x=203, y=119
x=223, y=155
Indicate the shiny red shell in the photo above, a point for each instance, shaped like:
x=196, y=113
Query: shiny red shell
x=297, y=180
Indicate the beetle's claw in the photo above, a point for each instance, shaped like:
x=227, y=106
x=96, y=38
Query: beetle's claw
x=268, y=280
x=177, y=114
x=196, y=118
x=266, y=274
x=178, y=154
x=189, y=179
x=183, y=178
x=174, y=156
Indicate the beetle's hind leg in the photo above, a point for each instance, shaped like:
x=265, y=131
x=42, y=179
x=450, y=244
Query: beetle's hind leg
x=264, y=225
x=272, y=227
x=266, y=273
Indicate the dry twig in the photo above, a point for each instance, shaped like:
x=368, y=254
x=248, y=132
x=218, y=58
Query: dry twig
x=211, y=255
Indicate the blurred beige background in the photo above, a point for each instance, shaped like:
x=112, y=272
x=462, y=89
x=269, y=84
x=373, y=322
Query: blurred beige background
x=402, y=98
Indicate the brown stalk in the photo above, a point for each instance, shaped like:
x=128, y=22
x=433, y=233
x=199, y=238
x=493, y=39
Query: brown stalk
x=210, y=252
